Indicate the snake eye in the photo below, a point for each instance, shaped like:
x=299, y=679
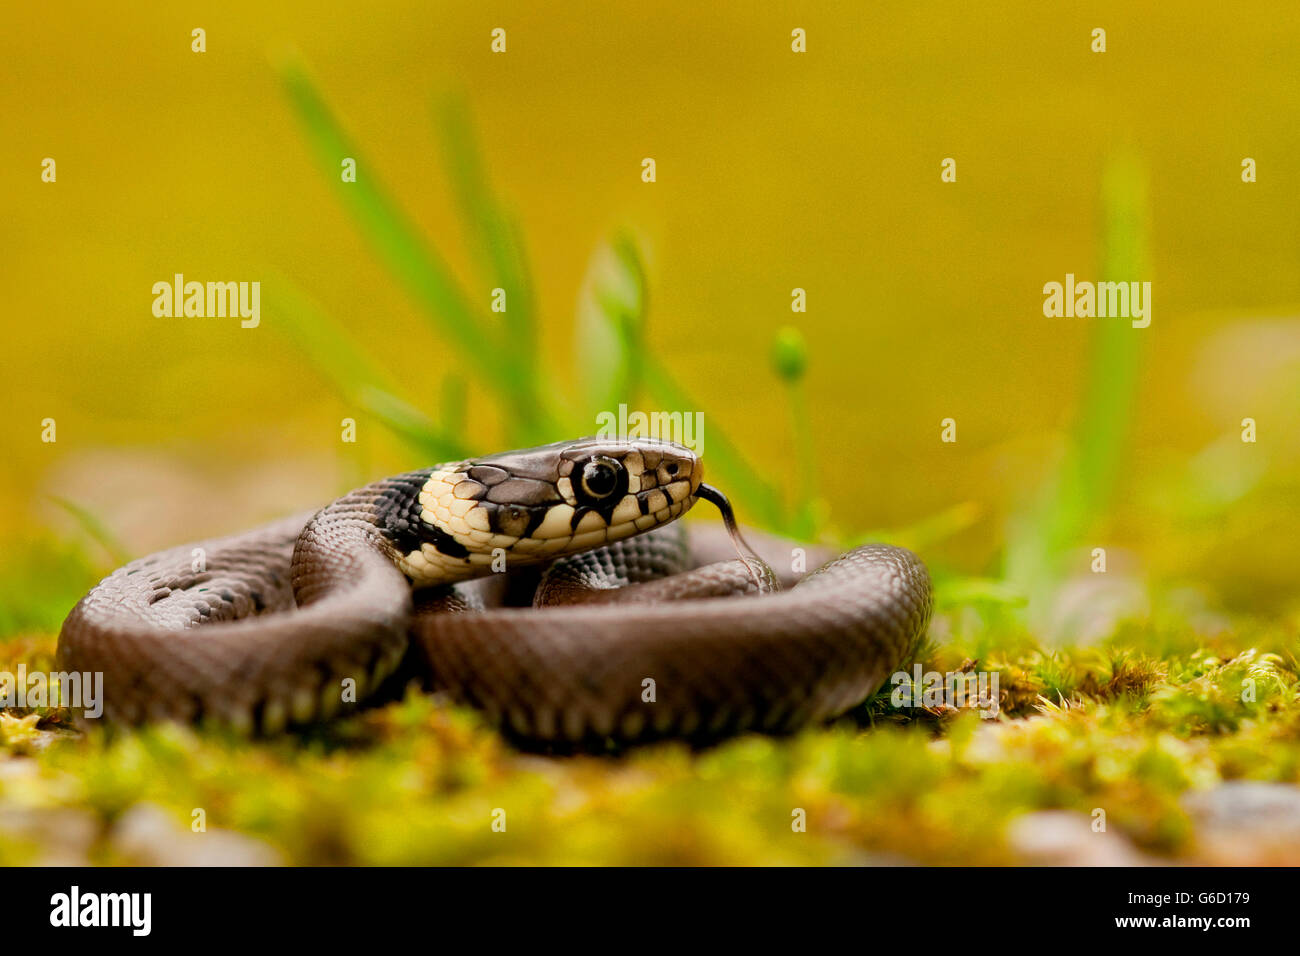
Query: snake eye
x=599, y=477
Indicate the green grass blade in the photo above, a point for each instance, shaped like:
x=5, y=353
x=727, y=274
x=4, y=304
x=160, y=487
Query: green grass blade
x=1110, y=399
x=608, y=337
x=355, y=378
x=790, y=363
x=617, y=363
x=324, y=341
x=1073, y=499
x=493, y=233
x=961, y=592
x=95, y=529
x=927, y=532
x=420, y=270
x=411, y=424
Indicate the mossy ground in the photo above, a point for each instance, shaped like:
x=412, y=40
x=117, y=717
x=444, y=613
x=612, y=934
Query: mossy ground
x=1105, y=727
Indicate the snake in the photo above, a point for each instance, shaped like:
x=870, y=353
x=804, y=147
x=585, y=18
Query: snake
x=551, y=588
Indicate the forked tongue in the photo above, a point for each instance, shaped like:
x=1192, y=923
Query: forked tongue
x=763, y=577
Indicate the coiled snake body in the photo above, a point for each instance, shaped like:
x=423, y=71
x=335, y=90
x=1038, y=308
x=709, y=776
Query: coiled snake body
x=601, y=622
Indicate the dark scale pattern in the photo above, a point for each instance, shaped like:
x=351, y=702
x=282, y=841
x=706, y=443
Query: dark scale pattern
x=398, y=514
x=397, y=510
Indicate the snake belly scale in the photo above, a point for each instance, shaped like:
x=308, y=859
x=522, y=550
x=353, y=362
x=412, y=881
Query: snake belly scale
x=549, y=587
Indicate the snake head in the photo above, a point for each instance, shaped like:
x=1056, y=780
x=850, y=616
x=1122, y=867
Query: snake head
x=540, y=503
x=604, y=476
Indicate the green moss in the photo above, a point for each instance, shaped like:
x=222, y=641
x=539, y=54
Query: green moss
x=419, y=781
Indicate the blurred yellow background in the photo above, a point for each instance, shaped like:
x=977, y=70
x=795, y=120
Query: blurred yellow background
x=775, y=171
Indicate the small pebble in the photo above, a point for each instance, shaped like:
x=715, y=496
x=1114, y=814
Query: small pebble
x=1246, y=823
x=1066, y=838
x=148, y=835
